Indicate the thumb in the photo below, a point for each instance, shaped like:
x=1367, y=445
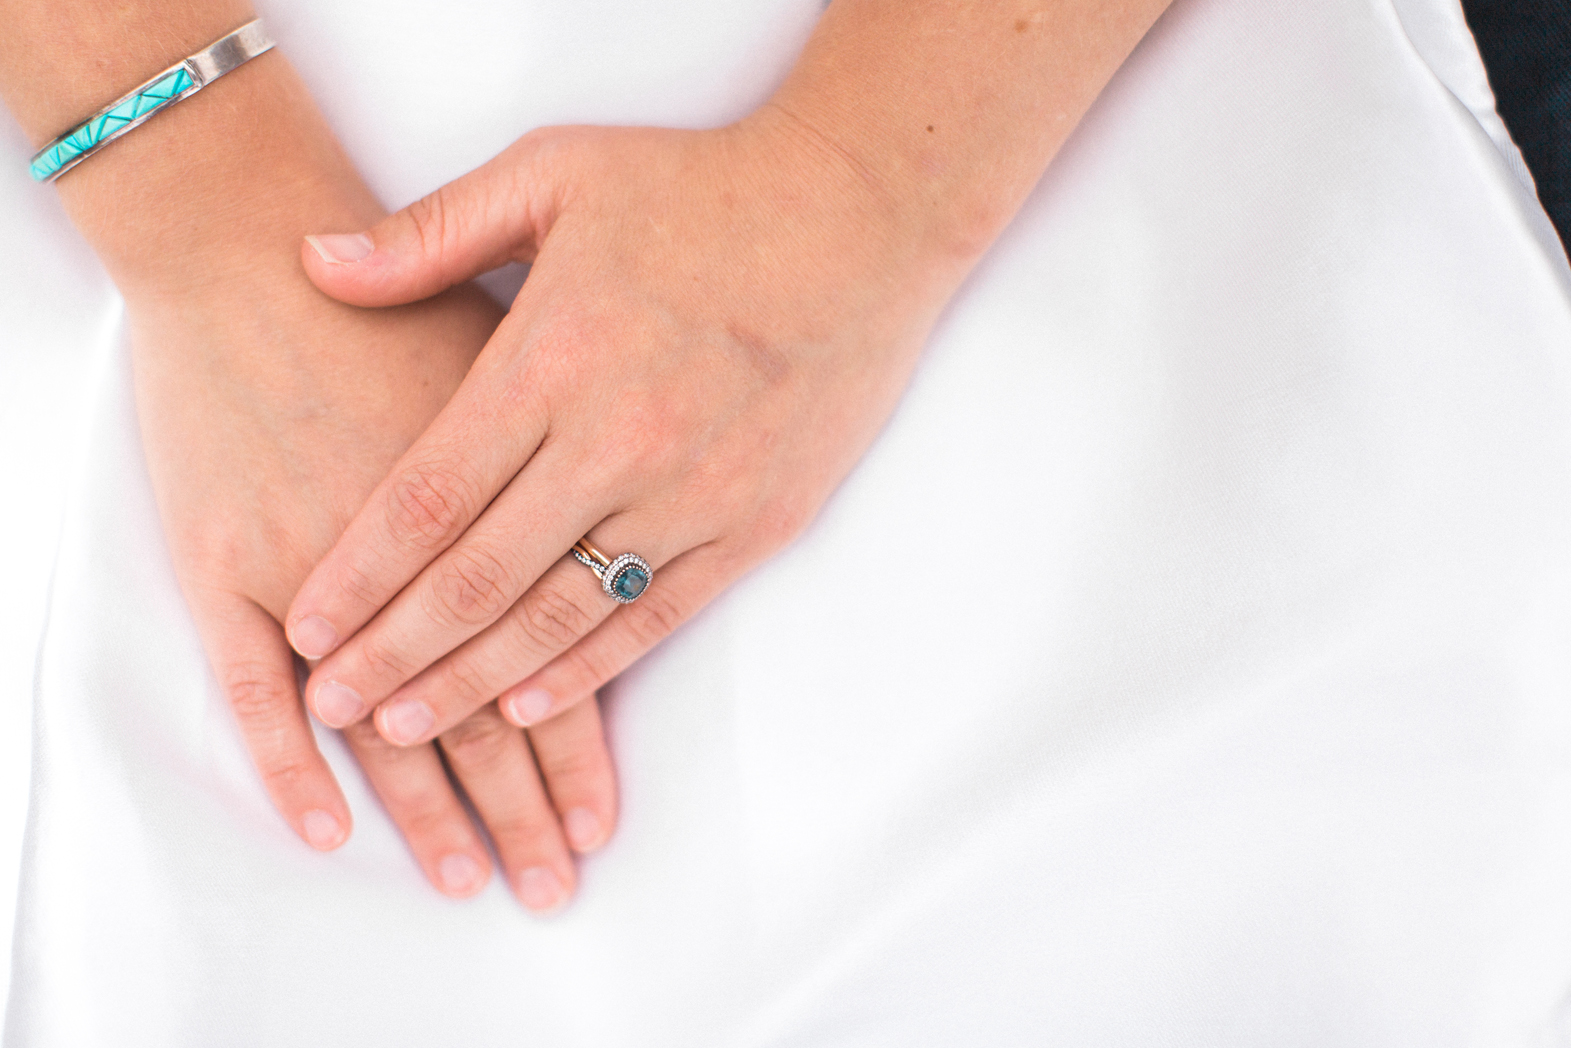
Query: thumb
x=497, y=213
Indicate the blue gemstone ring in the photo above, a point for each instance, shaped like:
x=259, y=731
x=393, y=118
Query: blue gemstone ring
x=624, y=579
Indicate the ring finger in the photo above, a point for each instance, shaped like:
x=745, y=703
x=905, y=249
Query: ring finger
x=493, y=761
x=561, y=607
x=420, y=800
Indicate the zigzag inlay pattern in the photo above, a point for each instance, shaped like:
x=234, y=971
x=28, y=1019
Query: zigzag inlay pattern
x=112, y=121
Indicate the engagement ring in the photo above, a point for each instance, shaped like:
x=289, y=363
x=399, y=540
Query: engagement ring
x=623, y=579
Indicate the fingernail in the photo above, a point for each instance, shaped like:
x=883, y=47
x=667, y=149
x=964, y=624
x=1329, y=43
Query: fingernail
x=460, y=875
x=539, y=889
x=321, y=830
x=314, y=637
x=530, y=706
x=407, y=722
x=583, y=828
x=338, y=704
x=341, y=248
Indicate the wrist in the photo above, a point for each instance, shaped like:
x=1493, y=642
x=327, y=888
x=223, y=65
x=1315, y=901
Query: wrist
x=902, y=242
x=214, y=193
x=61, y=60
x=927, y=198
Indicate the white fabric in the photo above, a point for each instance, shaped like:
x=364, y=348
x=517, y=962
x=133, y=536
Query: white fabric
x=52, y=313
x=1260, y=737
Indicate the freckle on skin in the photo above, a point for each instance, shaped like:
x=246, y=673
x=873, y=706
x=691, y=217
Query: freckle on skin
x=1022, y=25
x=929, y=127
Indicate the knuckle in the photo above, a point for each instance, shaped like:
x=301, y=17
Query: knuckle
x=540, y=142
x=780, y=521
x=522, y=824
x=654, y=616
x=257, y=696
x=384, y=660
x=359, y=586
x=286, y=774
x=471, y=587
x=578, y=763
x=406, y=784
x=368, y=744
x=430, y=216
x=428, y=817
x=429, y=506
x=479, y=742
x=585, y=668
x=560, y=361
x=522, y=831
x=553, y=617
x=463, y=679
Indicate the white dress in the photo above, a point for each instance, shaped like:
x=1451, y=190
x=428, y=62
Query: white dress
x=1260, y=736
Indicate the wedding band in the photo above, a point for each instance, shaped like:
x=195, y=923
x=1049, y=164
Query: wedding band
x=623, y=579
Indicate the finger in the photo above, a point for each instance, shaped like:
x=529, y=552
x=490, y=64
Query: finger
x=256, y=671
x=685, y=585
x=576, y=765
x=495, y=214
x=493, y=761
x=490, y=429
x=562, y=606
x=462, y=591
x=421, y=801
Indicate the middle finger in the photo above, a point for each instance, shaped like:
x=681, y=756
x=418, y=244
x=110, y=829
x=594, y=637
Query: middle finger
x=461, y=592
x=492, y=760
x=415, y=790
x=563, y=606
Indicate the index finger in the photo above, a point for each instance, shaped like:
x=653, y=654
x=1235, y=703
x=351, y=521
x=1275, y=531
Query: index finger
x=438, y=488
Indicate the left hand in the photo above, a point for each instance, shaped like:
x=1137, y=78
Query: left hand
x=715, y=327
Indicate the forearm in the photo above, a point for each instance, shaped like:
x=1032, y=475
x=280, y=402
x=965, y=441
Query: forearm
x=214, y=191
x=954, y=108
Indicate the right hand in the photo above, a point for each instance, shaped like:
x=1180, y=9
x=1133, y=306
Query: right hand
x=261, y=449
x=268, y=415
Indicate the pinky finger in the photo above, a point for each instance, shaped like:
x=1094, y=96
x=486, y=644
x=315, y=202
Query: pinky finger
x=255, y=668
x=683, y=587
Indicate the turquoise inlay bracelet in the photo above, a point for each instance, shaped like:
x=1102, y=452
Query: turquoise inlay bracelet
x=165, y=89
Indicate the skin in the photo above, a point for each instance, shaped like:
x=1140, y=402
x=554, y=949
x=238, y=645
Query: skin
x=716, y=325
x=269, y=412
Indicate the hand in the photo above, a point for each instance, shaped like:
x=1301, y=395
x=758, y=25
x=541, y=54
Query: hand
x=269, y=413
x=715, y=327
x=260, y=454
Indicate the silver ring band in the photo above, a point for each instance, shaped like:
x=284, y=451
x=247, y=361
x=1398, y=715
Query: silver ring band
x=624, y=578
